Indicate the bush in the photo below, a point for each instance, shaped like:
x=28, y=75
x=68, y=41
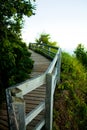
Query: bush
x=16, y=64
x=81, y=54
x=70, y=107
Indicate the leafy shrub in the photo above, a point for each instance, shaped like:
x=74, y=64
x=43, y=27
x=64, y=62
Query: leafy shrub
x=70, y=107
x=81, y=54
x=16, y=64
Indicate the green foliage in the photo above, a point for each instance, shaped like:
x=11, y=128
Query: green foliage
x=15, y=65
x=15, y=62
x=45, y=38
x=12, y=13
x=81, y=54
x=70, y=107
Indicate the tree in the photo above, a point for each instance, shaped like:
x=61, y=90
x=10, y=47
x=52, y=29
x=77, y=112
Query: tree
x=45, y=38
x=11, y=15
x=15, y=62
x=81, y=54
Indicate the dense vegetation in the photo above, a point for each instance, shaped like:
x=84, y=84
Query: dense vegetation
x=81, y=54
x=45, y=38
x=70, y=104
x=15, y=62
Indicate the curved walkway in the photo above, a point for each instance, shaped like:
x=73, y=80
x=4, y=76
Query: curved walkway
x=33, y=98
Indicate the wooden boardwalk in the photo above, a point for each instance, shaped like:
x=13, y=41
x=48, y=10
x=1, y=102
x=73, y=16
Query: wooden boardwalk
x=33, y=98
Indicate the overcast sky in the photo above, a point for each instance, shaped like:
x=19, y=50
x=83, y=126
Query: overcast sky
x=64, y=20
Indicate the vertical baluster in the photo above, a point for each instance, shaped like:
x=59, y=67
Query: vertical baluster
x=49, y=102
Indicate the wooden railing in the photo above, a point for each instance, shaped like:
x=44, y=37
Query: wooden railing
x=44, y=49
x=15, y=101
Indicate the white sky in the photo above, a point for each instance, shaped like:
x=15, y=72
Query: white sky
x=64, y=20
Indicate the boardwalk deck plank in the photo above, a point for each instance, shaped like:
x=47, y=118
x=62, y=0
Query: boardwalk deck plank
x=33, y=98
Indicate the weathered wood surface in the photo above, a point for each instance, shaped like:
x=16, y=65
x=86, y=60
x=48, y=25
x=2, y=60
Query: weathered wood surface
x=33, y=98
x=40, y=65
x=36, y=96
x=3, y=118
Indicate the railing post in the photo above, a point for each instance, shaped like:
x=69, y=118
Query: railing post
x=59, y=66
x=49, y=102
x=49, y=50
x=16, y=109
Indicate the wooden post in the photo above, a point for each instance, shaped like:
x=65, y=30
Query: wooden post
x=58, y=66
x=16, y=109
x=49, y=50
x=49, y=102
x=19, y=109
x=11, y=116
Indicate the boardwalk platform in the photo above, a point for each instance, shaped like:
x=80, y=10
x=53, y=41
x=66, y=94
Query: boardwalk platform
x=33, y=98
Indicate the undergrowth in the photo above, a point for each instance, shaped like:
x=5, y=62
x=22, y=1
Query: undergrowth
x=70, y=104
